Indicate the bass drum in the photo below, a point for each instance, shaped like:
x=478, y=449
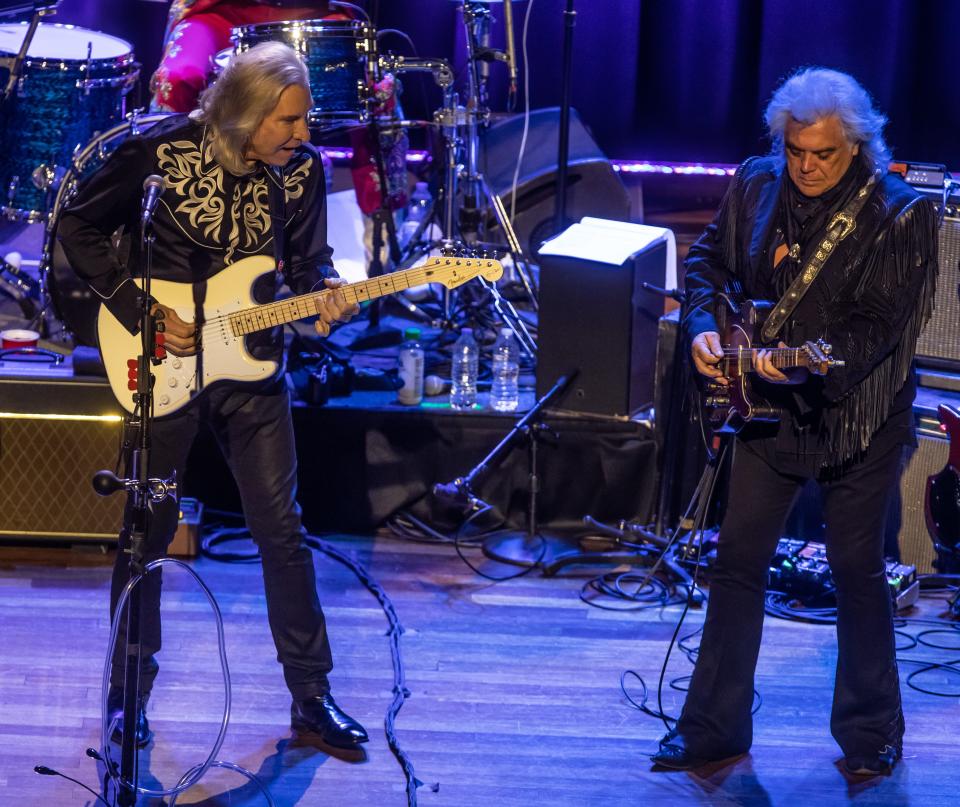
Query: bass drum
x=74, y=304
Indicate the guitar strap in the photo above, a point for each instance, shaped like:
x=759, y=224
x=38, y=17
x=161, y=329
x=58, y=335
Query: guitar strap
x=277, y=203
x=840, y=226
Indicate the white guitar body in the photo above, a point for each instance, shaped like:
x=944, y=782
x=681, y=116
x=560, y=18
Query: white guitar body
x=224, y=356
x=230, y=313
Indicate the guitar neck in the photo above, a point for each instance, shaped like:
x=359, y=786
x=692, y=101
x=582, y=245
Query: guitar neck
x=783, y=358
x=291, y=309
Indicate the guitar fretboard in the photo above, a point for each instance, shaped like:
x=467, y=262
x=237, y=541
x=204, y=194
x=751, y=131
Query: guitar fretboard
x=781, y=358
x=270, y=315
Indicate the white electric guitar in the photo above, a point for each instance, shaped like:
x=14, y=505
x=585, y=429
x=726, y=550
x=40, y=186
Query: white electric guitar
x=230, y=313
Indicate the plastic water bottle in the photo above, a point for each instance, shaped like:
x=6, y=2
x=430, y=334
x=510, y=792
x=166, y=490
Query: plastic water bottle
x=466, y=362
x=411, y=368
x=505, y=390
x=417, y=210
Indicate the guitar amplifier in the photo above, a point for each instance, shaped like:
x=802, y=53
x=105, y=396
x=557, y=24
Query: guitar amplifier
x=939, y=342
x=55, y=434
x=916, y=545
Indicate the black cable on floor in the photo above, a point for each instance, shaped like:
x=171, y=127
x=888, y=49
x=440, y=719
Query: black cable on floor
x=400, y=691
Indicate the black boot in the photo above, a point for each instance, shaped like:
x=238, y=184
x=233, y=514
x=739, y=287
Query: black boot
x=115, y=715
x=877, y=763
x=320, y=715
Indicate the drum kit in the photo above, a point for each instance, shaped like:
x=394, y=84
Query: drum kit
x=65, y=111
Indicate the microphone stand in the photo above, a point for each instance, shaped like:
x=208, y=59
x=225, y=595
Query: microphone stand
x=521, y=549
x=563, y=148
x=376, y=335
x=142, y=491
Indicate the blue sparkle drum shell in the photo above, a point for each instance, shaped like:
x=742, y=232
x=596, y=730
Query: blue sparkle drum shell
x=73, y=85
x=341, y=59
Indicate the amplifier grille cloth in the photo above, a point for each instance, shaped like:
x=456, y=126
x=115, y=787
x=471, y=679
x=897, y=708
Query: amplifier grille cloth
x=45, y=472
x=941, y=338
x=916, y=546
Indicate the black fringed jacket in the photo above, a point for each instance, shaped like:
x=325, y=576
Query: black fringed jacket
x=870, y=301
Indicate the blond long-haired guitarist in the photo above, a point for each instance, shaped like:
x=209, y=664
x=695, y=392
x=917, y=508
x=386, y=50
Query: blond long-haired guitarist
x=242, y=183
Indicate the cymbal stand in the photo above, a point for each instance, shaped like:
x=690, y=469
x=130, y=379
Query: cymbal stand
x=15, y=64
x=460, y=125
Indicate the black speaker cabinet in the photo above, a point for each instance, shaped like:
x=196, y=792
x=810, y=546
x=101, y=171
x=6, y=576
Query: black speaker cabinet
x=54, y=436
x=593, y=187
x=597, y=319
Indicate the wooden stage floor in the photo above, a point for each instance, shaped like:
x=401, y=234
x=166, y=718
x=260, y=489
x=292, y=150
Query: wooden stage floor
x=515, y=695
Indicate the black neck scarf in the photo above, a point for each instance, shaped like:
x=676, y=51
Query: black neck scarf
x=802, y=220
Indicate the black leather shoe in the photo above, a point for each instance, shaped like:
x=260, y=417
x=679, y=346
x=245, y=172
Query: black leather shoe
x=115, y=713
x=877, y=764
x=320, y=715
x=673, y=754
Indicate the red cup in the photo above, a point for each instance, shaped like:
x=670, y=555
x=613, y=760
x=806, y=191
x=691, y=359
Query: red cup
x=18, y=338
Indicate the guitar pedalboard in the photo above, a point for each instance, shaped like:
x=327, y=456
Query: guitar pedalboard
x=800, y=568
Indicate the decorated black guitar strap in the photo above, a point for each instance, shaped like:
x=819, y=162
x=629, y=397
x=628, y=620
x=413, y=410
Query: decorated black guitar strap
x=840, y=226
x=277, y=202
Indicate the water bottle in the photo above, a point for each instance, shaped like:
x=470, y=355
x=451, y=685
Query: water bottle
x=505, y=390
x=466, y=360
x=417, y=210
x=411, y=368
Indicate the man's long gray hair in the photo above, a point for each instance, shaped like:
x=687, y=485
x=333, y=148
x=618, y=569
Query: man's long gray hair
x=815, y=92
x=234, y=106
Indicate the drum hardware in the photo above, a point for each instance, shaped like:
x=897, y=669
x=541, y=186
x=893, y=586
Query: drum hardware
x=47, y=177
x=460, y=126
x=442, y=73
x=15, y=65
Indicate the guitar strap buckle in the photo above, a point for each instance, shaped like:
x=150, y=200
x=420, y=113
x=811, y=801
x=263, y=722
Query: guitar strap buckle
x=841, y=225
x=848, y=222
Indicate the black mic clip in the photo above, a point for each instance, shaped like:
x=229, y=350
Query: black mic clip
x=457, y=494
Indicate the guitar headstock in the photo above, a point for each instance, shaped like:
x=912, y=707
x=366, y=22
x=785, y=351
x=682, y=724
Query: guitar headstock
x=457, y=264
x=818, y=358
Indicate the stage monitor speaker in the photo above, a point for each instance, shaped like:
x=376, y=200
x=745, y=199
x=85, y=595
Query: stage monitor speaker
x=54, y=436
x=939, y=343
x=593, y=187
x=597, y=319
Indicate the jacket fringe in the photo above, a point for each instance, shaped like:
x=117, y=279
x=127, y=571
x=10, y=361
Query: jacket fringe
x=851, y=421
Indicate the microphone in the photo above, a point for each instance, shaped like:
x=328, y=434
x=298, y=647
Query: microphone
x=511, y=49
x=434, y=385
x=153, y=186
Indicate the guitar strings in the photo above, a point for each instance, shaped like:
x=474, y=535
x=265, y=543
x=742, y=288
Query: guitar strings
x=416, y=274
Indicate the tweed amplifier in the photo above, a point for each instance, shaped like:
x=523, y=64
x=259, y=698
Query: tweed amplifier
x=54, y=435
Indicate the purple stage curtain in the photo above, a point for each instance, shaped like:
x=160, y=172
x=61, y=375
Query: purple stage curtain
x=674, y=79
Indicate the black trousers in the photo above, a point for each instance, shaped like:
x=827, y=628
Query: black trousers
x=255, y=433
x=867, y=714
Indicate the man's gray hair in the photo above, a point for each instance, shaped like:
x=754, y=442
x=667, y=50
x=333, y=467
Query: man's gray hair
x=815, y=92
x=234, y=106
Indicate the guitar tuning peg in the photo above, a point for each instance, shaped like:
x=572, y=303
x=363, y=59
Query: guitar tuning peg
x=826, y=347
